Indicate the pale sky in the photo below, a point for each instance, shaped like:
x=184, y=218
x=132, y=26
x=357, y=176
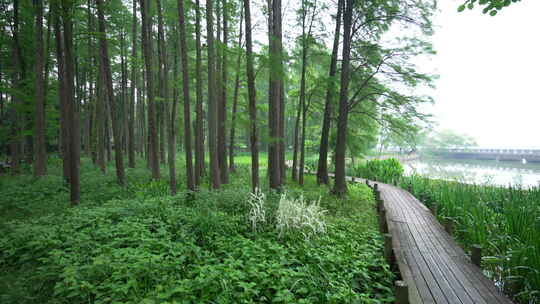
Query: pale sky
x=488, y=68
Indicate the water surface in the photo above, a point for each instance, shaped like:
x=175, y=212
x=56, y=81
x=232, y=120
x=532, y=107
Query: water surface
x=477, y=171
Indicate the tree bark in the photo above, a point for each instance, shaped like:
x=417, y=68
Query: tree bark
x=106, y=67
x=148, y=58
x=212, y=100
x=340, y=186
x=133, y=85
x=40, y=165
x=199, y=121
x=275, y=101
x=302, y=102
x=125, y=102
x=252, y=101
x=185, y=86
x=235, y=97
x=15, y=143
x=100, y=123
x=73, y=120
x=172, y=127
x=322, y=167
x=162, y=85
x=222, y=115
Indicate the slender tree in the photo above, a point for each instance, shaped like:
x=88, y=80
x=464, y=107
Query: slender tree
x=107, y=75
x=222, y=110
x=185, y=86
x=72, y=111
x=252, y=101
x=163, y=105
x=322, y=165
x=199, y=120
x=172, y=127
x=15, y=143
x=40, y=164
x=212, y=100
x=133, y=85
x=235, y=96
x=340, y=186
x=148, y=60
x=275, y=96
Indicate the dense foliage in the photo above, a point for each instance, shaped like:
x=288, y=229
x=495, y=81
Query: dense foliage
x=140, y=245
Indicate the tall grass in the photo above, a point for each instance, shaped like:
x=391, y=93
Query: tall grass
x=504, y=221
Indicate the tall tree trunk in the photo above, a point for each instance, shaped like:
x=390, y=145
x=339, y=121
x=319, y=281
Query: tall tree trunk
x=252, y=102
x=235, y=97
x=100, y=122
x=303, y=143
x=172, y=126
x=125, y=102
x=162, y=86
x=322, y=167
x=302, y=102
x=275, y=97
x=106, y=67
x=212, y=100
x=40, y=165
x=185, y=86
x=72, y=108
x=147, y=51
x=199, y=121
x=64, y=128
x=340, y=186
x=15, y=143
x=133, y=85
x=222, y=119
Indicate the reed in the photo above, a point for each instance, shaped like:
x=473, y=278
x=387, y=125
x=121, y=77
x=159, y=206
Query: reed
x=504, y=221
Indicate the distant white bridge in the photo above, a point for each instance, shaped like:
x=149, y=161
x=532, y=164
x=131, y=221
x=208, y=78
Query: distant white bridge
x=528, y=155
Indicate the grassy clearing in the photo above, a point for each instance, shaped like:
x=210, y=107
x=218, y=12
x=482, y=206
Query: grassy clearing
x=140, y=245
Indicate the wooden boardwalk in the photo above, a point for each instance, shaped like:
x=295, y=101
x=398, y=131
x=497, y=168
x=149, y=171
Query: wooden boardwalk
x=434, y=267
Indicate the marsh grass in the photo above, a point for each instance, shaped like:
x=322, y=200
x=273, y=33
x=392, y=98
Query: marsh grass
x=504, y=221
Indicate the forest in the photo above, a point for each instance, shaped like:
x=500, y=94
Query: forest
x=161, y=151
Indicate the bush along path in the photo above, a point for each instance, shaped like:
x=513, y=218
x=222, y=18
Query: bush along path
x=143, y=246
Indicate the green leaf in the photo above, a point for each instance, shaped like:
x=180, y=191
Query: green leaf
x=461, y=8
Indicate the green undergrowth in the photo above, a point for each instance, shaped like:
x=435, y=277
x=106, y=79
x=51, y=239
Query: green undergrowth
x=140, y=245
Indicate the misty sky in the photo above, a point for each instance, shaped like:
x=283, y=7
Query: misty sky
x=488, y=68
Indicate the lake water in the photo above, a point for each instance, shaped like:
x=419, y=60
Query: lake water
x=477, y=171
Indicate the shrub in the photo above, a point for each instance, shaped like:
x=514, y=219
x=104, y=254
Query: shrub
x=387, y=170
x=299, y=215
x=257, y=213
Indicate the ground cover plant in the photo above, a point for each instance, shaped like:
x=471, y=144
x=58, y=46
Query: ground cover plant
x=504, y=221
x=141, y=245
